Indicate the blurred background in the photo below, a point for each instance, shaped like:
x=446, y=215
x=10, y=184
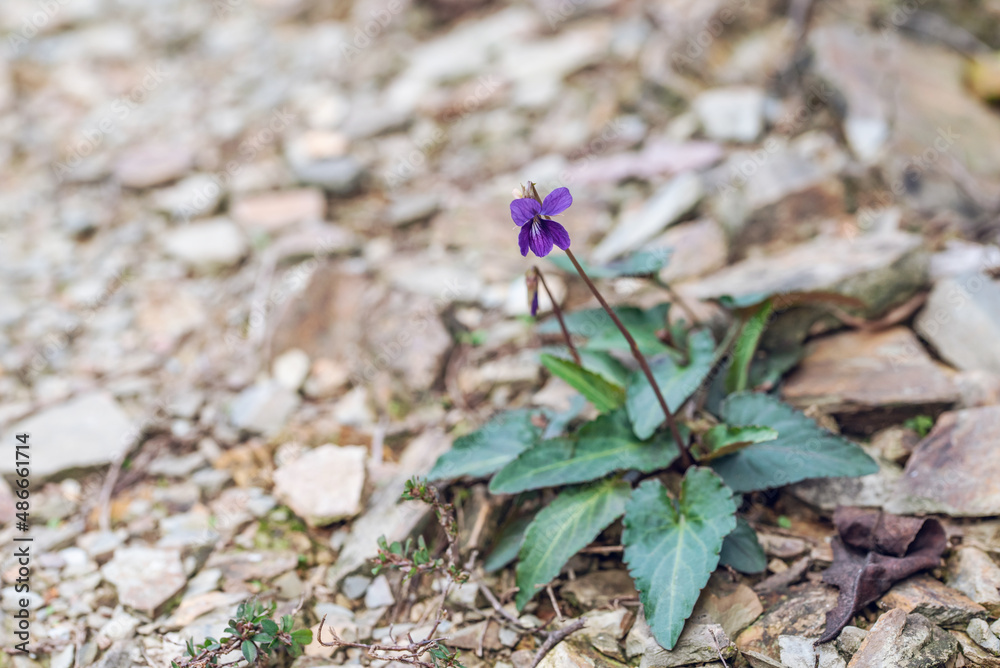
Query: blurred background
x=234, y=229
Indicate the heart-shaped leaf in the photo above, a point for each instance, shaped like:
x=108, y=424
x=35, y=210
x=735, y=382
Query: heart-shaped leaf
x=489, y=448
x=802, y=450
x=672, y=546
x=600, y=447
x=563, y=528
x=676, y=383
x=604, y=395
x=742, y=551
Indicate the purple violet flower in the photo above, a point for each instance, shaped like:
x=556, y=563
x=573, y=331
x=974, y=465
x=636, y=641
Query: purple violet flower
x=539, y=234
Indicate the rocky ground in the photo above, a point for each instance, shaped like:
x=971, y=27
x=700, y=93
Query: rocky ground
x=258, y=266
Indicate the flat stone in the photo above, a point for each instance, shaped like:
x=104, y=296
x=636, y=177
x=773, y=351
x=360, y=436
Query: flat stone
x=604, y=630
x=961, y=319
x=853, y=63
x=207, y=246
x=973, y=653
x=906, y=641
x=274, y=210
x=384, y=515
x=576, y=653
x=954, y=470
x=732, y=605
x=850, y=639
x=782, y=191
x=355, y=586
x=870, y=378
x=409, y=209
x=879, y=270
x=801, y=613
x=924, y=595
x=263, y=408
x=340, y=176
x=379, y=594
x=152, y=165
x=192, y=197
x=290, y=368
x=797, y=652
x=981, y=634
x=783, y=547
x=88, y=430
x=972, y=572
x=701, y=641
x=144, y=577
x=699, y=247
x=304, y=484
x=598, y=589
x=177, y=466
x=681, y=194
x=253, y=564
x=734, y=114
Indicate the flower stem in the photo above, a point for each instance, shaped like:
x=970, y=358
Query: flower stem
x=559, y=317
x=686, y=460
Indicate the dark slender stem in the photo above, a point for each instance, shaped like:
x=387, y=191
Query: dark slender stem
x=686, y=460
x=559, y=316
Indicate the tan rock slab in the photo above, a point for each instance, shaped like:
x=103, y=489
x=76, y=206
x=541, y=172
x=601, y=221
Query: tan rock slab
x=870, y=379
x=924, y=595
x=954, y=470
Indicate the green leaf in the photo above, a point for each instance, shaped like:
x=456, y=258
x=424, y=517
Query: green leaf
x=746, y=346
x=302, y=636
x=596, y=361
x=269, y=627
x=249, y=651
x=605, y=445
x=725, y=439
x=742, y=551
x=262, y=638
x=287, y=623
x=639, y=263
x=604, y=395
x=672, y=547
x=802, y=450
x=507, y=544
x=563, y=528
x=487, y=449
x=601, y=333
x=676, y=383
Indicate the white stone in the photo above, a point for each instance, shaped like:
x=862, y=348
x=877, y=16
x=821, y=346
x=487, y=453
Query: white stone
x=666, y=206
x=379, y=594
x=323, y=485
x=88, y=430
x=207, y=246
x=144, y=577
x=731, y=114
x=290, y=368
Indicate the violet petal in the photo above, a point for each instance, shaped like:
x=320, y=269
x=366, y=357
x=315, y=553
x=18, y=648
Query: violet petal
x=538, y=240
x=524, y=209
x=556, y=201
x=522, y=239
x=556, y=232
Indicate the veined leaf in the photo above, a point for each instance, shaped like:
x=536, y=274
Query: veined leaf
x=725, y=439
x=601, y=333
x=676, y=383
x=746, y=346
x=802, y=450
x=604, y=395
x=489, y=448
x=563, y=528
x=639, y=263
x=742, y=551
x=605, y=445
x=672, y=546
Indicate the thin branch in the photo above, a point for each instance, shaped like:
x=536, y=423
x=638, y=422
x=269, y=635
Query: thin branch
x=555, y=638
